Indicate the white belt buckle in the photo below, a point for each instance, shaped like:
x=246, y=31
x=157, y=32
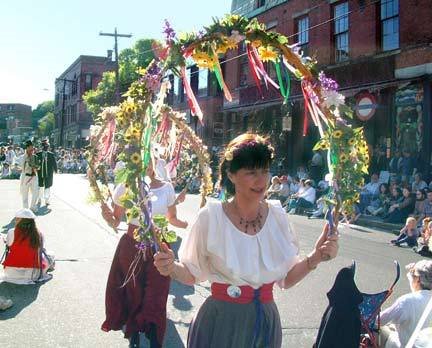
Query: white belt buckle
x=233, y=291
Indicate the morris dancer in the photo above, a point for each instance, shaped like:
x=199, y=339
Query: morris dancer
x=29, y=178
x=48, y=166
x=138, y=304
x=242, y=246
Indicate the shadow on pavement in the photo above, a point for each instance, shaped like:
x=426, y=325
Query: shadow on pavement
x=8, y=226
x=43, y=211
x=21, y=295
x=179, y=290
x=172, y=337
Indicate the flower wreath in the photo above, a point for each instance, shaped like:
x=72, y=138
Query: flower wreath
x=128, y=131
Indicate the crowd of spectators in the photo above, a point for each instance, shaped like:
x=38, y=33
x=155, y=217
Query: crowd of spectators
x=68, y=161
x=394, y=191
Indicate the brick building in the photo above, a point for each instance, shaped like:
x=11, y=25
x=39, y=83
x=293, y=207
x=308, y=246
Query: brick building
x=72, y=120
x=15, y=122
x=380, y=53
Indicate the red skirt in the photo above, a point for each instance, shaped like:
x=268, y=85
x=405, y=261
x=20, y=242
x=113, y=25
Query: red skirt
x=142, y=300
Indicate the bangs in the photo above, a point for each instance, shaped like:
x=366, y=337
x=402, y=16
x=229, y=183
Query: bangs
x=255, y=156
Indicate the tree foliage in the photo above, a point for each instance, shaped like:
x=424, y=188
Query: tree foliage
x=46, y=125
x=130, y=60
x=42, y=110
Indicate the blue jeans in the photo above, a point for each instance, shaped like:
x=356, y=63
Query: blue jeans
x=403, y=238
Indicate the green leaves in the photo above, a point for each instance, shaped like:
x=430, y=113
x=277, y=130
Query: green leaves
x=161, y=222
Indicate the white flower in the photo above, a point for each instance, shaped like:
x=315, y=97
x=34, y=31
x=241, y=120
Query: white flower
x=236, y=37
x=94, y=130
x=332, y=98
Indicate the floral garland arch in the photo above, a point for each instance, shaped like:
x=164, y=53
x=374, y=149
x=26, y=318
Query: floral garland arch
x=129, y=130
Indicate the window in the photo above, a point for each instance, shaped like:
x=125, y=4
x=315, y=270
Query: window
x=389, y=24
x=243, y=72
x=203, y=75
x=340, y=16
x=74, y=87
x=303, y=34
x=176, y=89
x=10, y=107
x=88, y=82
x=57, y=98
x=259, y=3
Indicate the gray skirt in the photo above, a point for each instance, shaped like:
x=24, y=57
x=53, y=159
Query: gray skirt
x=220, y=324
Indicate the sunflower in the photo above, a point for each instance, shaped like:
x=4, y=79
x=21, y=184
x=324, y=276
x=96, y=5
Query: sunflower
x=360, y=183
x=324, y=145
x=256, y=43
x=356, y=197
x=228, y=44
x=203, y=60
x=337, y=134
x=136, y=158
x=266, y=54
x=343, y=157
x=351, y=141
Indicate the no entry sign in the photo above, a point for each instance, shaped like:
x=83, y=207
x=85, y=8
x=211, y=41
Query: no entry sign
x=365, y=106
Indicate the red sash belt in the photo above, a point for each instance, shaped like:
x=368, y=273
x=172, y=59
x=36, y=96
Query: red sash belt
x=242, y=294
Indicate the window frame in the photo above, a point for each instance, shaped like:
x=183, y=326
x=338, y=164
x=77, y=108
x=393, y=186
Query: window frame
x=340, y=30
x=389, y=18
x=304, y=45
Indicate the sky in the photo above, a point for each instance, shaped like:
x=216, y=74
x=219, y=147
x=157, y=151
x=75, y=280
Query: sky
x=40, y=39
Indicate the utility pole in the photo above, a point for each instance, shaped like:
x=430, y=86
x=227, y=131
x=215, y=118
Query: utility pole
x=117, y=80
x=63, y=108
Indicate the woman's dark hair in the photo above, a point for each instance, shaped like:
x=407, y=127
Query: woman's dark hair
x=398, y=190
x=248, y=151
x=386, y=188
x=29, y=231
x=423, y=195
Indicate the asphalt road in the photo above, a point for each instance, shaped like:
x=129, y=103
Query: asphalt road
x=68, y=310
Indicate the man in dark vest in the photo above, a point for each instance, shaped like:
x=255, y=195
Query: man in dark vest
x=48, y=166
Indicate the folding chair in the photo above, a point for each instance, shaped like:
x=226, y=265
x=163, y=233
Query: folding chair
x=370, y=310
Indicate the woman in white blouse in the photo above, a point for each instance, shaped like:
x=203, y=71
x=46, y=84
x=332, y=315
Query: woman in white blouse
x=242, y=246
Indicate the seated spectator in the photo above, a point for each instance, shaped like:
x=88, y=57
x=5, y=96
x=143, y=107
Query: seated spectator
x=25, y=263
x=275, y=187
x=322, y=188
x=303, y=200
x=380, y=205
x=400, y=319
x=425, y=241
x=301, y=173
x=398, y=212
x=418, y=183
x=295, y=185
x=285, y=190
x=369, y=192
x=408, y=234
x=419, y=204
x=430, y=186
x=395, y=165
x=427, y=206
x=5, y=171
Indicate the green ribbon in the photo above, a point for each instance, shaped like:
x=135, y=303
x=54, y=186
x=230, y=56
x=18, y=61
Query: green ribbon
x=218, y=76
x=285, y=90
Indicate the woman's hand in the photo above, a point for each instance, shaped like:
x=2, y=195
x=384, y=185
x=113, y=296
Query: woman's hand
x=164, y=260
x=326, y=247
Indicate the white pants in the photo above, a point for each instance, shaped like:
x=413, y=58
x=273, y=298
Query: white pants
x=46, y=194
x=29, y=183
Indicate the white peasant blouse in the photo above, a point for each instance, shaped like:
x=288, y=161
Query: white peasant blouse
x=217, y=251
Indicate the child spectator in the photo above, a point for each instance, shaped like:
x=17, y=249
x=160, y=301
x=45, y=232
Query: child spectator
x=408, y=234
x=380, y=205
x=425, y=240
